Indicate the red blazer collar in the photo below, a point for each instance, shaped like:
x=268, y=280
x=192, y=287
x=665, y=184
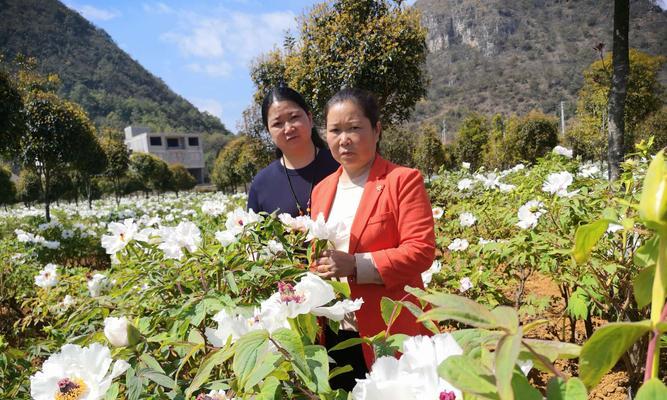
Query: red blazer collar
x=372, y=190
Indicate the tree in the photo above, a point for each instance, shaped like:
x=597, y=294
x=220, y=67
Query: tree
x=183, y=180
x=471, y=138
x=530, y=137
x=371, y=44
x=225, y=174
x=118, y=159
x=12, y=125
x=644, y=97
x=151, y=172
x=429, y=153
x=57, y=131
x=619, y=87
x=28, y=187
x=91, y=161
x=7, y=187
x=398, y=145
x=253, y=157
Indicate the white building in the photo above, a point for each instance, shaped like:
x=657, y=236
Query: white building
x=173, y=148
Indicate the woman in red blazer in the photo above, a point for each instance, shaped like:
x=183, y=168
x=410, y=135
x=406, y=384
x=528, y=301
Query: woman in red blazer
x=389, y=222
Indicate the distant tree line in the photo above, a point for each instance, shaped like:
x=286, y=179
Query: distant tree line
x=59, y=151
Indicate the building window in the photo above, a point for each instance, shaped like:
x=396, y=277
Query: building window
x=156, y=141
x=173, y=142
x=193, y=142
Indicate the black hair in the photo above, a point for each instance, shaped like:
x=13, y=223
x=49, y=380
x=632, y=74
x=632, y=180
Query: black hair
x=363, y=98
x=284, y=93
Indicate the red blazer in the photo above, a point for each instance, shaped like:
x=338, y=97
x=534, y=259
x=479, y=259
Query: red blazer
x=394, y=222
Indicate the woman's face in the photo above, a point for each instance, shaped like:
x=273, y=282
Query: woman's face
x=351, y=138
x=290, y=126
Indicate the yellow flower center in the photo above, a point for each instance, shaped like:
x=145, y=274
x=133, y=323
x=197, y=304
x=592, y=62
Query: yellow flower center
x=71, y=389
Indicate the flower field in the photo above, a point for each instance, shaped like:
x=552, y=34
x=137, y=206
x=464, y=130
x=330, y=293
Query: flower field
x=193, y=297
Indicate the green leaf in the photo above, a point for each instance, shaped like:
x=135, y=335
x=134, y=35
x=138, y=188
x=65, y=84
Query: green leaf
x=249, y=350
x=642, y=286
x=506, y=355
x=231, y=282
x=266, y=364
x=417, y=312
x=601, y=352
x=467, y=375
x=554, y=350
x=157, y=377
x=390, y=310
x=346, y=344
x=216, y=357
x=134, y=384
x=577, y=304
x=586, y=238
x=506, y=318
x=522, y=388
x=318, y=368
x=270, y=389
x=461, y=309
x=653, y=202
x=341, y=287
x=340, y=370
x=112, y=393
x=653, y=389
x=151, y=362
x=647, y=254
x=573, y=389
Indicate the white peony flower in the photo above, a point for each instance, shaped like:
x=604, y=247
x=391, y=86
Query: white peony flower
x=324, y=230
x=97, y=284
x=115, y=330
x=76, y=373
x=23, y=236
x=47, y=277
x=67, y=234
x=68, y=301
x=238, y=219
x=121, y=235
x=51, y=244
x=613, y=228
x=557, y=183
x=465, y=184
x=467, y=219
x=465, y=165
x=427, y=276
x=414, y=376
x=174, y=239
x=504, y=187
x=274, y=247
x=529, y=214
x=465, y=284
x=438, y=212
x=226, y=237
x=560, y=150
x=458, y=245
x=309, y=295
x=216, y=395
x=589, y=171
x=213, y=208
x=299, y=223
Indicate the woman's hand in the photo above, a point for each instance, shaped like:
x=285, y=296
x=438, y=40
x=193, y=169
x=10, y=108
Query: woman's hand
x=334, y=263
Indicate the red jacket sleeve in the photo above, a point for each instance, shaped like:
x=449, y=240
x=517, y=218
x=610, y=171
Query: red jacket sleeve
x=416, y=245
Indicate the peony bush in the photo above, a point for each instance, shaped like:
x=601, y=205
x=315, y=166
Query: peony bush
x=194, y=297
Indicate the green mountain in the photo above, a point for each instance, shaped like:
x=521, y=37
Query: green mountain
x=498, y=56
x=113, y=88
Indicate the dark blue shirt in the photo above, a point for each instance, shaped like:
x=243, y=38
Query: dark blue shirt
x=270, y=190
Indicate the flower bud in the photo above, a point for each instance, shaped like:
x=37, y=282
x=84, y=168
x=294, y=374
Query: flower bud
x=653, y=203
x=119, y=332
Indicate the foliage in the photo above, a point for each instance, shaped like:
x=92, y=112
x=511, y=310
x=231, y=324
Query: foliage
x=429, y=153
x=471, y=138
x=28, y=186
x=644, y=97
x=371, y=44
x=183, y=180
x=118, y=160
x=150, y=172
x=239, y=162
x=7, y=187
x=654, y=125
x=398, y=145
x=11, y=123
x=529, y=138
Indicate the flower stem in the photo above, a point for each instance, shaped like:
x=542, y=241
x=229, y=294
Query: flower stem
x=657, y=306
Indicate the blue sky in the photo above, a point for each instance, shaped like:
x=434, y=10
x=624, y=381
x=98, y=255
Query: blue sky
x=201, y=49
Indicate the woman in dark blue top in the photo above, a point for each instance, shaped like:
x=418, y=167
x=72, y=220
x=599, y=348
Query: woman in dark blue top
x=286, y=184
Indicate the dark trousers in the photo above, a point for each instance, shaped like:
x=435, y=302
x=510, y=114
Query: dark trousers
x=352, y=356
